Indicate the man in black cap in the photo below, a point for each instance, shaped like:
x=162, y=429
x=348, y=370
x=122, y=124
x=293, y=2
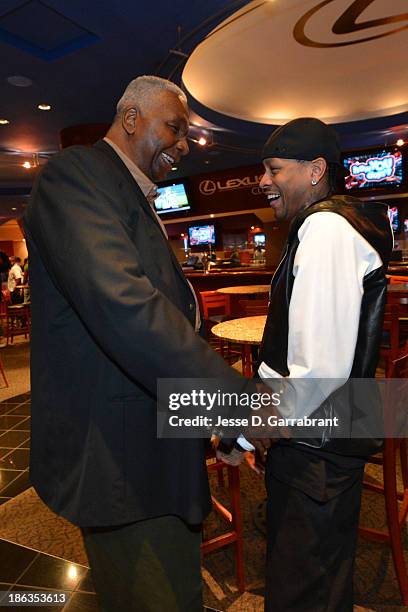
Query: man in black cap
x=324, y=322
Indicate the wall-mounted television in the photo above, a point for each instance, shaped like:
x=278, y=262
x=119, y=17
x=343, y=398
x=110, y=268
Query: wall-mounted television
x=259, y=240
x=172, y=199
x=201, y=234
x=380, y=168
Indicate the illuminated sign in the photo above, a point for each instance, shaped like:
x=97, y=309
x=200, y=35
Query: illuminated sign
x=375, y=168
x=209, y=187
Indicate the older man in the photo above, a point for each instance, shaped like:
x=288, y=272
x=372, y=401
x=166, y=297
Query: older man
x=101, y=340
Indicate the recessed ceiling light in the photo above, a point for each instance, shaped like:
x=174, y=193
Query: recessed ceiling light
x=14, y=208
x=19, y=81
x=44, y=107
x=212, y=215
x=400, y=142
x=4, y=121
x=174, y=168
x=206, y=161
x=202, y=141
x=26, y=165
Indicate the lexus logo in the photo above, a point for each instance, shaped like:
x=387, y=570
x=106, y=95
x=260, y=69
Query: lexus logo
x=347, y=24
x=207, y=187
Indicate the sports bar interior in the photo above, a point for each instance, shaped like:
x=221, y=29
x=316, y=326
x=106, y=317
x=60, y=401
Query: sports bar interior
x=246, y=68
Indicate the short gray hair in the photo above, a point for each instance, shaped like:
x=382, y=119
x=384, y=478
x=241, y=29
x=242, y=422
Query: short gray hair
x=141, y=91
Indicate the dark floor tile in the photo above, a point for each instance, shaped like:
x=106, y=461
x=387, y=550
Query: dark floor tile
x=6, y=408
x=43, y=607
x=8, y=421
x=82, y=602
x=6, y=477
x=3, y=500
x=50, y=572
x=87, y=584
x=17, y=486
x=11, y=439
x=23, y=425
x=14, y=560
x=16, y=460
x=23, y=409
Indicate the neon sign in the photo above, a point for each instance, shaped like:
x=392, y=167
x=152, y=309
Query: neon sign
x=374, y=169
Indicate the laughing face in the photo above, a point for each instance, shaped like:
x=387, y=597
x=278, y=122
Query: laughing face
x=159, y=138
x=287, y=185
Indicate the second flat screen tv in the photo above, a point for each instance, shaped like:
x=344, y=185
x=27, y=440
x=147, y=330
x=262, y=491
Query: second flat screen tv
x=171, y=199
x=201, y=234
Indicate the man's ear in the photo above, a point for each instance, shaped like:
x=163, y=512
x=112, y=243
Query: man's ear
x=129, y=119
x=319, y=166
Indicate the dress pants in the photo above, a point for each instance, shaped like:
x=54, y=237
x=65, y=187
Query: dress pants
x=152, y=565
x=310, y=548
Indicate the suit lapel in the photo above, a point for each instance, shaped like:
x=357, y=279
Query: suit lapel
x=108, y=150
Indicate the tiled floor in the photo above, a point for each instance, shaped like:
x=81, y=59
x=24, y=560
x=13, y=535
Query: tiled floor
x=23, y=569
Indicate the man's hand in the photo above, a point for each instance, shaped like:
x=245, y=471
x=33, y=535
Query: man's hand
x=236, y=457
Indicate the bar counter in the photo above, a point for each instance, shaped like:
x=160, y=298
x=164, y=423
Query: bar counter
x=215, y=279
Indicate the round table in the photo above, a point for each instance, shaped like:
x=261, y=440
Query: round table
x=247, y=331
x=245, y=289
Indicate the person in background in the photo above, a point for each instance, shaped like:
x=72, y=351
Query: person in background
x=4, y=270
x=26, y=280
x=101, y=341
x=15, y=278
x=325, y=322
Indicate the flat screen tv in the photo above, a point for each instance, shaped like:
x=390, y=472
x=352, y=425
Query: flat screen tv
x=172, y=199
x=201, y=234
x=380, y=168
x=259, y=240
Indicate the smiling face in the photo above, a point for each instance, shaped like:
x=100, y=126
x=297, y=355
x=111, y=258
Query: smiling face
x=157, y=134
x=287, y=185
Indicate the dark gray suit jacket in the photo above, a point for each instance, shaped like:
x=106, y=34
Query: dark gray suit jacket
x=111, y=313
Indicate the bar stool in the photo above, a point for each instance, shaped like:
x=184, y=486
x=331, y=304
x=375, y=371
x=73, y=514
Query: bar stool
x=216, y=308
x=232, y=516
x=395, y=513
x=18, y=321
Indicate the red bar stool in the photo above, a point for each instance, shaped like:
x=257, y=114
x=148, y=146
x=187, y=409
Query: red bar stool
x=232, y=516
x=396, y=502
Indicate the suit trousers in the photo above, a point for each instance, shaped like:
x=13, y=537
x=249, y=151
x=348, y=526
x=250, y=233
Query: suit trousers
x=310, y=549
x=152, y=565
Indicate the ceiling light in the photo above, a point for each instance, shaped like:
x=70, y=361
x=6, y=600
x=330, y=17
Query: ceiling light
x=19, y=81
x=252, y=227
x=174, y=168
x=206, y=161
x=44, y=107
x=26, y=165
x=14, y=208
x=4, y=121
x=400, y=142
x=182, y=235
x=212, y=215
x=202, y=141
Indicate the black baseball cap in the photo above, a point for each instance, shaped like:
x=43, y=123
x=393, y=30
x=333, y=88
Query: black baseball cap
x=305, y=138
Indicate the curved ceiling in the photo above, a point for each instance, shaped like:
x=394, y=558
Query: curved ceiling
x=272, y=61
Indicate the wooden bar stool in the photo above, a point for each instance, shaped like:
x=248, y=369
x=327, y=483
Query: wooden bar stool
x=396, y=502
x=18, y=321
x=232, y=516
